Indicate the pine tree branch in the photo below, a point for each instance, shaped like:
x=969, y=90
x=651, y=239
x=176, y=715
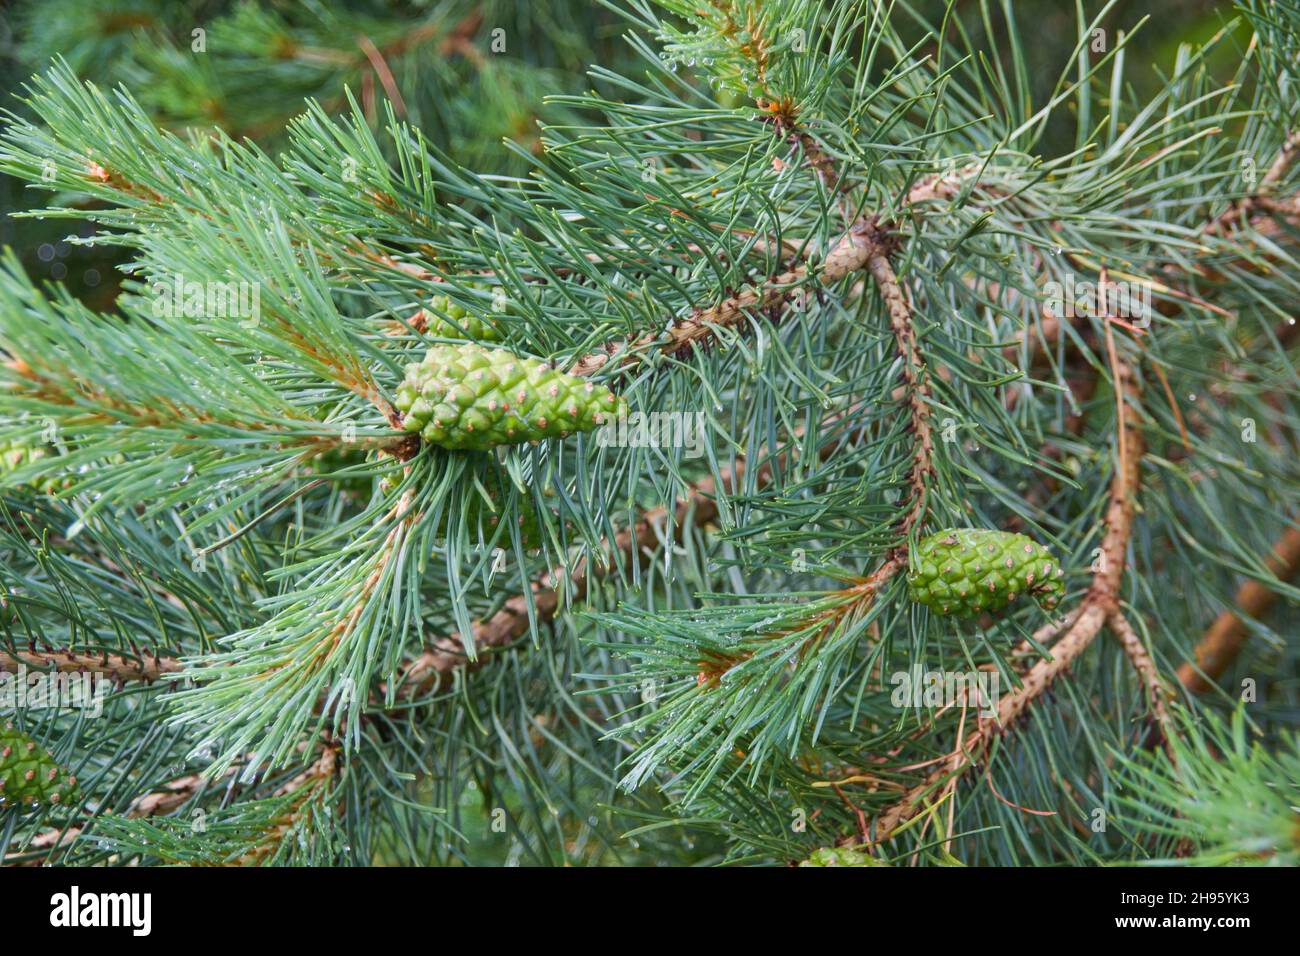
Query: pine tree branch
x=1260, y=212
x=1282, y=163
x=915, y=391
x=821, y=163
x=1227, y=221
x=120, y=668
x=866, y=245
x=1100, y=603
x=867, y=236
x=167, y=799
x=849, y=254
x=1158, y=693
x=916, y=394
x=305, y=784
x=172, y=795
x=433, y=671
x=1224, y=639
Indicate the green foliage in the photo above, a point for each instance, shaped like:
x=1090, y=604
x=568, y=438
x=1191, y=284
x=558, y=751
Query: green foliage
x=470, y=397
x=289, y=830
x=668, y=650
x=247, y=67
x=1222, y=799
x=965, y=571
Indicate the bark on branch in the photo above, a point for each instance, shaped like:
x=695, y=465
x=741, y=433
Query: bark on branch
x=849, y=254
x=1099, y=603
x=121, y=669
x=1221, y=643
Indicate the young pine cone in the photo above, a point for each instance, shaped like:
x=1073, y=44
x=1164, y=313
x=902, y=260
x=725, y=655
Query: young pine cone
x=29, y=775
x=963, y=571
x=470, y=397
x=448, y=319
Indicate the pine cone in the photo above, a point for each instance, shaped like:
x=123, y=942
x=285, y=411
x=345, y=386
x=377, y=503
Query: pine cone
x=963, y=571
x=28, y=774
x=470, y=397
x=497, y=483
x=449, y=319
x=16, y=454
x=337, y=459
x=841, y=856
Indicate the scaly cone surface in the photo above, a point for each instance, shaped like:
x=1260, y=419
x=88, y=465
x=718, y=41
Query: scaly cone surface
x=448, y=319
x=467, y=397
x=480, y=513
x=963, y=571
x=28, y=774
x=16, y=454
x=841, y=856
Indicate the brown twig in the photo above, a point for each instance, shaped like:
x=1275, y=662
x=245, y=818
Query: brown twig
x=868, y=236
x=1100, y=602
x=1221, y=643
x=916, y=394
x=915, y=391
x=304, y=784
x=121, y=669
x=433, y=670
x=1010, y=707
x=167, y=799
x=1259, y=200
x=380, y=65
x=1158, y=693
x=848, y=255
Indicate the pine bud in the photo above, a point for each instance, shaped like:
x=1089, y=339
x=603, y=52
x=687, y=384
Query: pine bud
x=448, y=319
x=29, y=775
x=841, y=856
x=15, y=454
x=485, y=517
x=963, y=571
x=470, y=397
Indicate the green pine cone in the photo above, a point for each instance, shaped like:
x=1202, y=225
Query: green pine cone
x=841, y=856
x=497, y=483
x=29, y=775
x=16, y=454
x=963, y=571
x=470, y=397
x=337, y=459
x=448, y=319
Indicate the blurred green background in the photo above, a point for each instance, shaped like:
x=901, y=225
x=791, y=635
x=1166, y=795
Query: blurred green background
x=262, y=58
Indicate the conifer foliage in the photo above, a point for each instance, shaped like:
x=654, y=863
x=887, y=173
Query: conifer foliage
x=631, y=505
